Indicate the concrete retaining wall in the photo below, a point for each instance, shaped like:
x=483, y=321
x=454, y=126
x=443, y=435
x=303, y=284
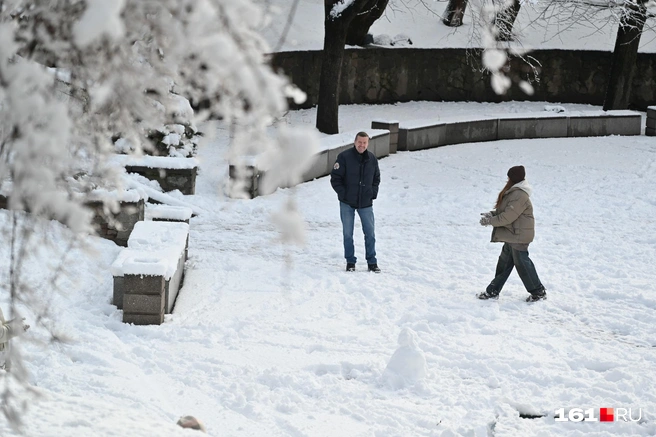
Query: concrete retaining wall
x=425, y=134
x=391, y=75
x=418, y=135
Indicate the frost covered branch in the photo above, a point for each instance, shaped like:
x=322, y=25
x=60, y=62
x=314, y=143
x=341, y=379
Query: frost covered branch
x=77, y=74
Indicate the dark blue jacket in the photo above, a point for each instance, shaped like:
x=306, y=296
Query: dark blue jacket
x=355, y=178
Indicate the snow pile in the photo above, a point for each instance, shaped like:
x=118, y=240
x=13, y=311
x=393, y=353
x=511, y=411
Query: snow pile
x=408, y=364
x=167, y=212
x=164, y=162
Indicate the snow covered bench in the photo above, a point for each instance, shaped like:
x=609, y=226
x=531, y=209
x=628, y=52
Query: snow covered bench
x=424, y=134
x=168, y=213
x=254, y=171
x=170, y=173
x=651, y=121
x=116, y=225
x=149, y=272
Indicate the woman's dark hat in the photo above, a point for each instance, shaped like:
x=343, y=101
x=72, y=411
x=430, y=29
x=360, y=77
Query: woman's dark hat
x=517, y=174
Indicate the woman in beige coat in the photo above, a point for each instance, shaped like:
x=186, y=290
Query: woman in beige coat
x=514, y=226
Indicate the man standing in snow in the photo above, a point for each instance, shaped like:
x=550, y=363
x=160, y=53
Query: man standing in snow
x=355, y=179
x=514, y=226
x=8, y=330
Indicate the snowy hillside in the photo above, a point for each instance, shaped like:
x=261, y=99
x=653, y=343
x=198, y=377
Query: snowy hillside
x=271, y=340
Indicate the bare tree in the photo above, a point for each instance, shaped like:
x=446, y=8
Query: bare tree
x=622, y=71
x=338, y=18
x=359, y=27
x=505, y=19
x=454, y=13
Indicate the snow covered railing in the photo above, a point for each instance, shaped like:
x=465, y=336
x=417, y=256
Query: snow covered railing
x=149, y=272
x=424, y=134
x=651, y=121
x=171, y=173
x=253, y=171
x=116, y=225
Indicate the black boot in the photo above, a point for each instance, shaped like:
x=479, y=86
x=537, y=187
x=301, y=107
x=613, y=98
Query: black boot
x=374, y=268
x=350, y=267
x=540, y=294
x=491, y=294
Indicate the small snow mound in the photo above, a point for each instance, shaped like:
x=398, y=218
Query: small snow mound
x=399, y=40
x=383, y=40
x=555, y=108
x=408, y=363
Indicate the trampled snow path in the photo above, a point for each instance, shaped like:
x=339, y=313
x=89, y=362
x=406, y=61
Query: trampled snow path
x=278, y=341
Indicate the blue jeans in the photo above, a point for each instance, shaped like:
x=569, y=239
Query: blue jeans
x=347, y=214
x=509, y=259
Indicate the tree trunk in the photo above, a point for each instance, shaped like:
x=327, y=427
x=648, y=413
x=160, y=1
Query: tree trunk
x=454, y=12
x=359, y=26
x=331, y=69
x=625, y=54
x=505, y=20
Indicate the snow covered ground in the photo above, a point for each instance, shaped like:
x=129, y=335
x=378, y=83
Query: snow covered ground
x=539, y=25
x=272, y=340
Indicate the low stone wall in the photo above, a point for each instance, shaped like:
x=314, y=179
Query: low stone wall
x=391, y=75
x=650, y=129
x=322, y=165
x=117, y=226
x=424, y=134
x=393, y=128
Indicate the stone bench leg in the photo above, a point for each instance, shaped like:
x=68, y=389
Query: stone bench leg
x=143, y=299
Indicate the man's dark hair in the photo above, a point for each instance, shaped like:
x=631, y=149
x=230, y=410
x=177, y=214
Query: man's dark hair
x=361, y=134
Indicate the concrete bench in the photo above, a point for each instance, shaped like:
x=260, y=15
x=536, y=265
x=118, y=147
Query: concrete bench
x=168, y=213
x=254, y=172
x=149, y=272
x=170, y=173
x=116, y=225
x=650, y=129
